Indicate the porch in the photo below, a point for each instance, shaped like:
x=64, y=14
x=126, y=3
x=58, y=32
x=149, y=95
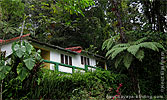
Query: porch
x=71, y=69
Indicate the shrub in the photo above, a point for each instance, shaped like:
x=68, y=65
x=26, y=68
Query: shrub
x=56, y=85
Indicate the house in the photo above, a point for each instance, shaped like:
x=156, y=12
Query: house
x=57, y=58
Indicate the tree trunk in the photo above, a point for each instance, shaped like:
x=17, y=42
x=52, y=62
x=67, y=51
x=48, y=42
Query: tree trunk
x=120, y=24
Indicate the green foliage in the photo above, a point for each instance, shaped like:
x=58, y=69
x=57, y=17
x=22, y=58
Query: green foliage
x=23, y=60
x=4, y=69
x=128, y=50
x=11, y=14
x=28, y=57
x=50, y=84
x=12, y=9
x=21, y=69
x=56, y=85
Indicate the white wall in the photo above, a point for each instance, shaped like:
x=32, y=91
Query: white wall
x=76, y=60
x=7, y=48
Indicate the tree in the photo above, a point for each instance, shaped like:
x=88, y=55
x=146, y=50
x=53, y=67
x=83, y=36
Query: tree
x=128, y=53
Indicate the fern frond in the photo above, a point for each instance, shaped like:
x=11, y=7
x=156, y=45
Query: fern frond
x=118, y=61
x=121, y=45
x=128, y=58
x=117, y=51
x=110, y=51
x=110, y=43
x=140, y=40
x=105, y=44
x=149, y=45
x=140, y=55
x=158, y=45
x=133, y=49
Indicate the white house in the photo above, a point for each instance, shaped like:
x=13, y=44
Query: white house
x=62, y=59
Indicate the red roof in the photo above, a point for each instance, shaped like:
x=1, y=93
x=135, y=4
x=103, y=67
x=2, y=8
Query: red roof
x=5, y=41
x=77, y=49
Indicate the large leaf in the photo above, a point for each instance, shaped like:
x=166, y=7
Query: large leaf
x=128, y=58
x=140, y=55
x=30, y=62
x=22, y=72
x=28, y=47
x=133, y=49
x=19, y=50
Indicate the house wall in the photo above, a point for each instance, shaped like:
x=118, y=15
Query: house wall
x=7, y=48
x=55, y=55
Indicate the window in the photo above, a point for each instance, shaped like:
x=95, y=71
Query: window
x=62, y=58
x=70, y=60
x=66, y=59
x=85, y=61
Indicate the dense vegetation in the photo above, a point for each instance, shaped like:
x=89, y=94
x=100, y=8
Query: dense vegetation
x=130, y=33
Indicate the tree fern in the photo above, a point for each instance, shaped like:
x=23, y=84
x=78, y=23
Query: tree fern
x=131, y=50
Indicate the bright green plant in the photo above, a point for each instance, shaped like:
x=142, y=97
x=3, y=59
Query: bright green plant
x=127, y=52
x=28, y=57
x=26, y=54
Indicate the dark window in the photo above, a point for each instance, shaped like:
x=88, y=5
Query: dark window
x=82, y=62
x=70, y=60
x=62, y=58
x=85, y=61
x=66, y=59
x=88, y=63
